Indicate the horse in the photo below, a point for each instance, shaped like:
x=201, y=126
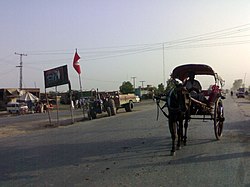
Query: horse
x=177, y=101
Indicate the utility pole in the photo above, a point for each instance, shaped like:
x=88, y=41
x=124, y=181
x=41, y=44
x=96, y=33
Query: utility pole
x=142, y=83
x=245, y=80
x=133, y=81
x=163, y=59
x=21, y=69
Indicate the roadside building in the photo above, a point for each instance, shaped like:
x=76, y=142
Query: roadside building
x=145, y=92
x=13, y=94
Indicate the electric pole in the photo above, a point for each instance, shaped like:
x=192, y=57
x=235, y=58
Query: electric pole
x=142, y=83
x=163, y=60
x=21, y=69
x=133, y=81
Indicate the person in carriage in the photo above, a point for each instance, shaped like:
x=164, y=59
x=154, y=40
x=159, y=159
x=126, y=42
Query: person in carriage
x=191, y=84
x=194, y=87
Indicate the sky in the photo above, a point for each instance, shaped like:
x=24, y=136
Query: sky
x=121, y=39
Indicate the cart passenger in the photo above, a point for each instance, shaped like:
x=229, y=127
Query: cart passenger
x=194, y=87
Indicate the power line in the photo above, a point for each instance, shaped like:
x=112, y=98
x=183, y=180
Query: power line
x=196, y=41
x=214, y=33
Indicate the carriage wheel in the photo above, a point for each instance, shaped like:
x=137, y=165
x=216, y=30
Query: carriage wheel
x=218, y=118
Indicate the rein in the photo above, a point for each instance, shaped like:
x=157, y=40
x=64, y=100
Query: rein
x=167, y=104
x=161, y=108
x=172, y=92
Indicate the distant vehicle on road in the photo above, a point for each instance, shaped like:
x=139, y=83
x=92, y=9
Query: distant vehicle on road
x=240, y=93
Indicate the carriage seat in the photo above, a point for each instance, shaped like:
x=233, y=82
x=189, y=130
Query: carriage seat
x=209, y=96
x=213, y=94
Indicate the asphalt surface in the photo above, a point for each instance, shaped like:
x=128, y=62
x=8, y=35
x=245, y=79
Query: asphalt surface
x=130, y=149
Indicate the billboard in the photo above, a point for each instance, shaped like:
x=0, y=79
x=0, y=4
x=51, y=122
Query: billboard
x=56, y=76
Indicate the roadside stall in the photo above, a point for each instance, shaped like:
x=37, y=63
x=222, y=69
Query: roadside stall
x=29, y=99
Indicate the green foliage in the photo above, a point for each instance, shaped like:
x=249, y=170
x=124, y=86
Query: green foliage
x=237, y=84
x=160, y=88
x=126, y=87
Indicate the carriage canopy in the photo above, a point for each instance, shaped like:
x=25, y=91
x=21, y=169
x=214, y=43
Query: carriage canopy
x=181, y=72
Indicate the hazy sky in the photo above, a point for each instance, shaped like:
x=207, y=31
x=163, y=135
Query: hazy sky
x=120, y=39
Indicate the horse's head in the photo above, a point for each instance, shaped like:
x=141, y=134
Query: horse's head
x=185, y=97
x=178, y=95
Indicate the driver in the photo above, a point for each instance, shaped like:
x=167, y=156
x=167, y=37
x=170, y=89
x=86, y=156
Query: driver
x=194, y=87
x=191, y=84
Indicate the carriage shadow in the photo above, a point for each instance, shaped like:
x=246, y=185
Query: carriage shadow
x=234, y=132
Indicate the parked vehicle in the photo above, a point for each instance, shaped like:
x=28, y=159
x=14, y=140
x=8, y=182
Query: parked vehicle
x=17, y=108
x=99, y=105
x=124, y=101
x=98, y=102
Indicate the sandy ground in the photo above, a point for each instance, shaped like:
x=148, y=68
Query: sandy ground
x=14, y=129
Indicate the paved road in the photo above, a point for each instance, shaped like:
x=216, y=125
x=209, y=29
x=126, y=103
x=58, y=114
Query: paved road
x=130, y=149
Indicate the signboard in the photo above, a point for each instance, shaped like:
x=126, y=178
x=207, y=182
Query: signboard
x=55, y=77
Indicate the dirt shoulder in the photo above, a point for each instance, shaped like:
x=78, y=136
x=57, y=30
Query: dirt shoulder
x=244, y=105
x=29, y=126
x=14, y=129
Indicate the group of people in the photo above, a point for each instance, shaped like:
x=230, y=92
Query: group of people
x=78, y=104
x=42, y=107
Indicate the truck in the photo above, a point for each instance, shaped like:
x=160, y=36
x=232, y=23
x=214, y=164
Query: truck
x=240, y=93
x=125, y=101
x=99, y=106
x=109, y=102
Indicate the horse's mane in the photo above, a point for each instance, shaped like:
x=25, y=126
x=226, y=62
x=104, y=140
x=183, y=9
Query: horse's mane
x=175, y=97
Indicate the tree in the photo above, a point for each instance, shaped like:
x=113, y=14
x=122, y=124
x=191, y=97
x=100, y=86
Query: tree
x=161, y=88
x=237, y=84
x=126, y=87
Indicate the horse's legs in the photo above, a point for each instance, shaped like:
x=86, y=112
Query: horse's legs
x=172, y=128
x=185, y=135
x=180, y=133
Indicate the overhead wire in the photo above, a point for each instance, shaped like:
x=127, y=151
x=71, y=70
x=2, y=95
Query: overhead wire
x=226, y=36
x=223, y=37
x=208, y=37
x=214, y=33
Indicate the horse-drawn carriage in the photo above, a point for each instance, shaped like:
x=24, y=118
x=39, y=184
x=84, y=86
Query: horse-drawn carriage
x=185, y=101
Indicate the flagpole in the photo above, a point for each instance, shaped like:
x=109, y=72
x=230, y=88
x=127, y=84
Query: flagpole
x=71, y=108
x=81, y=96
x=80, y=82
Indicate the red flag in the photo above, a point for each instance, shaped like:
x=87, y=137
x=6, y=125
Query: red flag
x=76, y=64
